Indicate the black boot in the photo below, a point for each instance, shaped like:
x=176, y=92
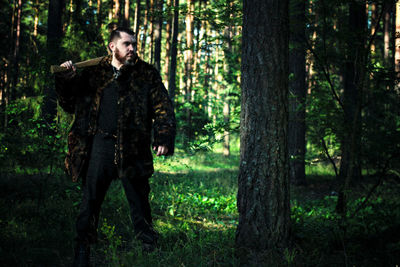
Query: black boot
x=149, y=240
x=82, y=255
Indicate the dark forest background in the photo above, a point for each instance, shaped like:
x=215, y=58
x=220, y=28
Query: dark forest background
x=343, y=136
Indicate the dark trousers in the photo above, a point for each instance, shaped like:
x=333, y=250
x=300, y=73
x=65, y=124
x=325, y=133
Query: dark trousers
x=101, y=171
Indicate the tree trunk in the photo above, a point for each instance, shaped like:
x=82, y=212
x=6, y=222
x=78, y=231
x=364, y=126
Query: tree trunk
x=386, y=34
x=350, y=167
x=145, y=27
x=168, y=32
x=152, y=21
x=189, y=66
x=137, y=20
x=228, y=51
x=54, y=35
x=174, y=52
x=263, y=196
x=158, y=21
x=297, y=93
x=36, y=21
x=397, y=46
x=99, y=11
x=374, y=17
x=117, y=10
x=126, y=22
x=15, y=58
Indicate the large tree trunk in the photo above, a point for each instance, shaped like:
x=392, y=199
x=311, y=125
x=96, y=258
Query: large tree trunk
x=174, y=52
x=354, y=73
x=263, y=196
x=297, y=93
x=158, y=21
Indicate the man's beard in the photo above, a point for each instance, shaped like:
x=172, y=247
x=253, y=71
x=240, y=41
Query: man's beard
x=125, y=60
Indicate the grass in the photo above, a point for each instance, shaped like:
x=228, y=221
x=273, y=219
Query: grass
x=193, y=202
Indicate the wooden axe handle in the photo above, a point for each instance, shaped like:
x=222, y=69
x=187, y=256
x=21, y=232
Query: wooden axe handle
x=82, y=64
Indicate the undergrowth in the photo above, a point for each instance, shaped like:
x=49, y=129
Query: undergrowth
x=193, y=201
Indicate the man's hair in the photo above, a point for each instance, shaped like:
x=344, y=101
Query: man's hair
x=116, y=33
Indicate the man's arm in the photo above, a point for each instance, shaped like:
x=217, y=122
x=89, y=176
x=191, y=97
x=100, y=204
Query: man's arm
x=164, y=117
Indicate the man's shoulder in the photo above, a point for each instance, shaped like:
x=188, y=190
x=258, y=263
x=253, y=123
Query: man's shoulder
x=145, y=67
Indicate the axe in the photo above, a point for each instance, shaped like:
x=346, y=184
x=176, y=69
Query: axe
x=82, y=64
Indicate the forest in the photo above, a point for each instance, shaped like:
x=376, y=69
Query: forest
x=288, y=132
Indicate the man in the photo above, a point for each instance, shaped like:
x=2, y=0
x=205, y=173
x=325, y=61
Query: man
x=116, y=104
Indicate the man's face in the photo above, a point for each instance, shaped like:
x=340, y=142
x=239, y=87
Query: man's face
x=124, y=48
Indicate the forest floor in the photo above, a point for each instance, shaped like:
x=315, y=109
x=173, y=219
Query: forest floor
x=193, y=202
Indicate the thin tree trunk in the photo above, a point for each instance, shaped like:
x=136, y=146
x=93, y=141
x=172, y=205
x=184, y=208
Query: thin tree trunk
x=374, y=17
x=397, y=46
x=152, y=21
x=137, y=20
x=54, y=35
x=174, y=52
x=99, y=17
x=263, y=190
x=189, y=66
x=145, y=27
x=228, y=51
x=117, y=10
x=126, y=22
x=297, y=93
x=158, y=21
x=386, y=35
x=36, y=20
x=15, y=61
x=168, y=32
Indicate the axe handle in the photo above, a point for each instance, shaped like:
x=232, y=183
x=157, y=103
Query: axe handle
x=82, y=64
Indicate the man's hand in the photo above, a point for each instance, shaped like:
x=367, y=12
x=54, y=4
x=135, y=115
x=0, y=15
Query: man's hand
x=70, y=72
x=161, y=150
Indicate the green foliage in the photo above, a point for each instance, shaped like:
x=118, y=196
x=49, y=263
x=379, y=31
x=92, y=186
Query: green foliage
x=30, y=143
x=193, y=201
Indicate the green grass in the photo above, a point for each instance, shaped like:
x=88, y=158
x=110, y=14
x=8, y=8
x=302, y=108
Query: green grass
x=193, y=202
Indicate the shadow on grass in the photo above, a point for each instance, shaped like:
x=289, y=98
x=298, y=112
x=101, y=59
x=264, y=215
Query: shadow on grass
x=195, y=214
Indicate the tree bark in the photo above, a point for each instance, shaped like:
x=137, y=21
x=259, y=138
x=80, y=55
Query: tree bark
x=168, y=32
x=174, y=52
x=386, y=34
x=228, y=52
x=117, y=10
x=397, y=46
x=188, y=56
x=145, y=27
x=157, y=33
x=152, y=20
x=126, y=23
x=54, y=35
x=350, y=166
x=15, y=58
x=374, y=17
x=297, y=93
x=263, y=196
x=137, y=20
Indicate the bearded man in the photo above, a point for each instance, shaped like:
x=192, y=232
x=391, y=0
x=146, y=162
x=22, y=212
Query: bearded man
x=116, y=104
